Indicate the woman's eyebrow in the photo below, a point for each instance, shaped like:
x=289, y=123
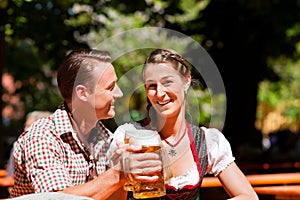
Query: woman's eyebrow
x=165, y=77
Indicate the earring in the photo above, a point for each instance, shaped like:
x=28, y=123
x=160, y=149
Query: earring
x=185, y=90
x=186, y=87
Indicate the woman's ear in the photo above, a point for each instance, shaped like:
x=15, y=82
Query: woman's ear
x=81, y=92
x=187, y=83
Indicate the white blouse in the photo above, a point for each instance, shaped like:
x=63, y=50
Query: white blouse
x=219, y=155
x=219, y=151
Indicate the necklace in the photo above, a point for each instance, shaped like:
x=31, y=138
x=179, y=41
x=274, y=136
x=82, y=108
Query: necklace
x=172, y=152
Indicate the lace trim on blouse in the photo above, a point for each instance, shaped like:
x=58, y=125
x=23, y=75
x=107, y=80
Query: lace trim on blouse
x=190, y=177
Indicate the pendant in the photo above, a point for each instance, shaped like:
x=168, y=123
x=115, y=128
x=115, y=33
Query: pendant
x=172, y=152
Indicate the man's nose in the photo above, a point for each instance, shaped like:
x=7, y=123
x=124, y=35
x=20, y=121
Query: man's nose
x=118, y=92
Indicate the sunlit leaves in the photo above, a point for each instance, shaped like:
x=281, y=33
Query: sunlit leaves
x=190, y=11
x=282, y=96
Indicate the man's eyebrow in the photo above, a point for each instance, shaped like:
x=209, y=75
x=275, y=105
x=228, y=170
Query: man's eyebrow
x=111, y=84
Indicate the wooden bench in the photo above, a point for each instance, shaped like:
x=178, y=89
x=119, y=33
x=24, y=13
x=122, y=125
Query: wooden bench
x=279, y=186
x=5, y=181
x=2, y=172
x=260, y=179
x=280, y=192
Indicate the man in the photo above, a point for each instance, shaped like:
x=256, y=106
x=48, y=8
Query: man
x=65, y=152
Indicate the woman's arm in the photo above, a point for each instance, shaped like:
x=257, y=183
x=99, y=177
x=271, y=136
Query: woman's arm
x=236, y=184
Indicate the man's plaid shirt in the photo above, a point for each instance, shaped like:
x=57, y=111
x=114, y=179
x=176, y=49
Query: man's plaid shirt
x=50, y=157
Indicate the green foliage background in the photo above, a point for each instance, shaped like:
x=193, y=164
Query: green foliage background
x=36, y=34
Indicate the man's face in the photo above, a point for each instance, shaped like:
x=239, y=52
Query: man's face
x=106, y=92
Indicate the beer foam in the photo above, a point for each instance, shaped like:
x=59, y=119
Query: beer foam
x=145, y=137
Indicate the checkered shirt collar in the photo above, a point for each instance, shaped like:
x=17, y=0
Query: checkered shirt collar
x=98, y=133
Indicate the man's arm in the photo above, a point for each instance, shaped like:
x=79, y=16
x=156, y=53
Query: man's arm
x=102, y=187
x=110, y=183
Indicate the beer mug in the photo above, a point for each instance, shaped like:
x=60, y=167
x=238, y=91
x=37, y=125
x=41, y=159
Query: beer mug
x=150, y=142
x=128, y=134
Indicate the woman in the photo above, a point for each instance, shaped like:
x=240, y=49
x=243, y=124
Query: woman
x=191, y=151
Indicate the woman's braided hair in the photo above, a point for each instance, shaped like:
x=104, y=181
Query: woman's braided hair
x=179, y=63
x=160, y=55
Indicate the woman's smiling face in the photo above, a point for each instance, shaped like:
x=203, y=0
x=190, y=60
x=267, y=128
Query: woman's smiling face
x=165, y=88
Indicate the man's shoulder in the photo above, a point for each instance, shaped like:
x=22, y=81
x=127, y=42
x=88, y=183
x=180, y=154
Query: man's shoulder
x=55, y=124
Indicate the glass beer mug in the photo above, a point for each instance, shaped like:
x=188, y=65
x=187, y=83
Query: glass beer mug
x=150, y=142
x=127, y=185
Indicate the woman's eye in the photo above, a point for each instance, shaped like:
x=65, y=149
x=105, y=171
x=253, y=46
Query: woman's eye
x=167, y=82
x=151, y=86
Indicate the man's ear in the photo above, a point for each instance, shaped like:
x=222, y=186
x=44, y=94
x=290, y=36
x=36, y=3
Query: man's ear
x=81, y=92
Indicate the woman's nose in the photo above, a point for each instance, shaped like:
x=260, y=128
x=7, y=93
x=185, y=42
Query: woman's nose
x=160, y=90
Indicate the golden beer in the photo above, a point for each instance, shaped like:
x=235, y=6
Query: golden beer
x=150, y=142
x=127, y=185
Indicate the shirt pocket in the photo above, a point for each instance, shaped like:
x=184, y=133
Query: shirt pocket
x=78, y=169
